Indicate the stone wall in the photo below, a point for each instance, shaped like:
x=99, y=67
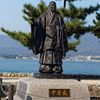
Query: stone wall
x=80, y=76
x=94, y=90
x=9, y=74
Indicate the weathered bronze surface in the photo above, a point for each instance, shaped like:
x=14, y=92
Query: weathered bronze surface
x=59, y=92
x=49, y=38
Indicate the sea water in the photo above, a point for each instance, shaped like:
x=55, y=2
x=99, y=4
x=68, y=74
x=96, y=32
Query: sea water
x=32, y=66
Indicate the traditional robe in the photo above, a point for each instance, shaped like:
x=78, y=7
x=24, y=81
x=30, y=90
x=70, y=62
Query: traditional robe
x=49, y=38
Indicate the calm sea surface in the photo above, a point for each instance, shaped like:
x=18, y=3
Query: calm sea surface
x=32, y=66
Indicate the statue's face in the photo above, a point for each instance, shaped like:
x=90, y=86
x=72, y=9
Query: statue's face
x=52, y=6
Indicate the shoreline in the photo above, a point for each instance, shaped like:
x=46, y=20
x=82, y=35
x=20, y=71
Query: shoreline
x=68, y=76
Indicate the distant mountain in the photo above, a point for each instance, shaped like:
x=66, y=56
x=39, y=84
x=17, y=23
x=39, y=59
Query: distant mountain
x=90, y=45
x=10, y=46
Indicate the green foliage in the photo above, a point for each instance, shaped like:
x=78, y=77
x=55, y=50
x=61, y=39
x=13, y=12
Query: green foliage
x=75, y=27
x=32, y=12
x=72, y=45
x=80, y=13
x=96, y=28
x=42, y=7
x=22, y=37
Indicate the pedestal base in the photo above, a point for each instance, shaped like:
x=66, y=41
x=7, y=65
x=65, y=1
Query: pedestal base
x=39, y=89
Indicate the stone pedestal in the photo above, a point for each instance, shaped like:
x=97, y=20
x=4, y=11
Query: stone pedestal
x=39, y=89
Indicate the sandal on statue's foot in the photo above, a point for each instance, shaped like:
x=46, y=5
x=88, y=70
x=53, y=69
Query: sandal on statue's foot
x=57, y=73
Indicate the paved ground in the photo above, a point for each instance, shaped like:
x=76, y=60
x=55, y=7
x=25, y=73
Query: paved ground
x=9, y=81
x=92, y=82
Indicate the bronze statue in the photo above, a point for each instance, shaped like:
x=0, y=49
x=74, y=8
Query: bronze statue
x=49, y=38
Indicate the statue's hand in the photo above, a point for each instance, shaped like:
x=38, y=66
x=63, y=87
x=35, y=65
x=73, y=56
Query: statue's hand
x=33, y=23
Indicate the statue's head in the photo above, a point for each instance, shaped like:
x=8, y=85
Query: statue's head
x=52, y=6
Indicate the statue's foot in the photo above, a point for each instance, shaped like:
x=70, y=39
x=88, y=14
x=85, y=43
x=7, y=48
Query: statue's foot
x=57, y=73
x=50, y=69
x=46, y=72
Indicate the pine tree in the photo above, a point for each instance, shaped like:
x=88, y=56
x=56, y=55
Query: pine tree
x=96, y=28
x=74, y=20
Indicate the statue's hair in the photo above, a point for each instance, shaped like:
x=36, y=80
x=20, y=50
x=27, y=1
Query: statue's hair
x=52, y=2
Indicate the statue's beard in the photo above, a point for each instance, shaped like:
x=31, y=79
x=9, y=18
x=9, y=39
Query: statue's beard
x=52, y=10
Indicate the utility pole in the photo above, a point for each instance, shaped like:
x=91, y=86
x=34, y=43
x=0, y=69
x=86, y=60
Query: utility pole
x=65, y=3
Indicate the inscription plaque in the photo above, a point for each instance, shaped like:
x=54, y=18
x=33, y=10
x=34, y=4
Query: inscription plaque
x=59, y=92
x=22, y=90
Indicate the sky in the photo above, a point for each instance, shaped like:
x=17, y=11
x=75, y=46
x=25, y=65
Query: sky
x=11, y=12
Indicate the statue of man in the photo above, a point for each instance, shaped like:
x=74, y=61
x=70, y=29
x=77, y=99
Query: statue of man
x=49, y=38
